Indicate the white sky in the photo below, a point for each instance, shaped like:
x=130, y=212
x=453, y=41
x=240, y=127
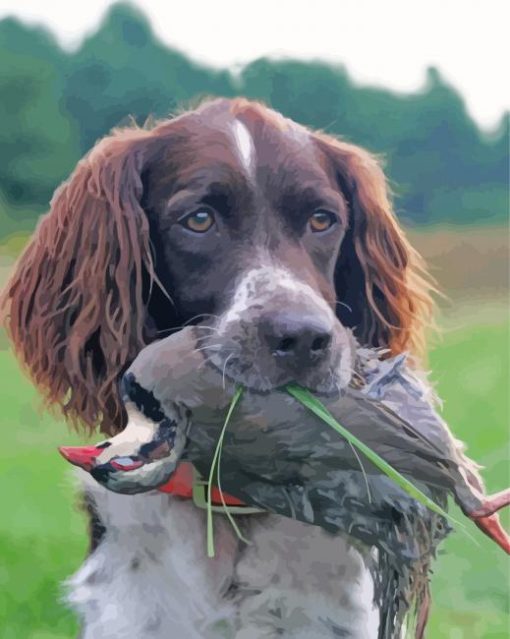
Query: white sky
x=382, y=42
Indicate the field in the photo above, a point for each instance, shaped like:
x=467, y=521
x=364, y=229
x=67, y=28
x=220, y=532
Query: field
x=42, y=534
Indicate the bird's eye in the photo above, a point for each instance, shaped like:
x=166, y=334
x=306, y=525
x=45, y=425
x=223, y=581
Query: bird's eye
x=199, y=221
x=321, y=221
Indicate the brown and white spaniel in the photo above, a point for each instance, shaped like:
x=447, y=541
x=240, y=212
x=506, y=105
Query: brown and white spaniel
x=280, y=236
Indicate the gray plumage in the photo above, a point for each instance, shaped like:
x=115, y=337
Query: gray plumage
x=280, y=457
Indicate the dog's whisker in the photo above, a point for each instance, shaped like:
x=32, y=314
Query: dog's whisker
x=228, y=343
x=191, y=319
x=208, y=358
x=170, y=329
x=225, y=368
x=159, y=283
x=203, y=337
x=174, y=329
x=208, y=346
x=208, y=328
x=344, y=304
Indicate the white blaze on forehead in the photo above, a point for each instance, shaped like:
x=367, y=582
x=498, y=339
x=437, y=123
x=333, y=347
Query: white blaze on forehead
x=245, y=146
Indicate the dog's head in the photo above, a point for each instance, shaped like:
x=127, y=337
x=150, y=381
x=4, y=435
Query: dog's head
x=275, y=238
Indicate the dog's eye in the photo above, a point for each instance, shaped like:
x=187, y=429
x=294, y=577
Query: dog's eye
x=199, y=221
x=321, y=221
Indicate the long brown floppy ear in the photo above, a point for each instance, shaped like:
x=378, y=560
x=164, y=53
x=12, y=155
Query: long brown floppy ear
x=382, y=285
x=74, y=307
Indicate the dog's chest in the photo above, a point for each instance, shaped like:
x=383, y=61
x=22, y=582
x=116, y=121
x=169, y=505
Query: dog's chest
x=150, y=577
x=296, y=580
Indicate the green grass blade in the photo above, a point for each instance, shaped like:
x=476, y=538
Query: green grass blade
x=219, y=444
x=312, y=403
x=231, y=519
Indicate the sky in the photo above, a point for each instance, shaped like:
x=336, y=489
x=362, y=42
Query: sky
x=386, y=43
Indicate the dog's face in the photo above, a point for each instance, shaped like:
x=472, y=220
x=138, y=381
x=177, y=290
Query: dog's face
x=275, y=238
x=247, y=222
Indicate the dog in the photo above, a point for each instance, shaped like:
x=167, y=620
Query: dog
x=281, y=238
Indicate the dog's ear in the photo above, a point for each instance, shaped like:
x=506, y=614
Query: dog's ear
x=382, y=286
x=75, y=307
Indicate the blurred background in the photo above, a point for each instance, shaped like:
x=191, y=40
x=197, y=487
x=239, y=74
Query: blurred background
x=447, y=156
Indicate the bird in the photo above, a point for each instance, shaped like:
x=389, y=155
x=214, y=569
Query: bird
x=277, y=456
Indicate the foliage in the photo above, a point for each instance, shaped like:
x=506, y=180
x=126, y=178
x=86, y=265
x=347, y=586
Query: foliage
x=42, y=540
x=56, y=104
x=37, y=141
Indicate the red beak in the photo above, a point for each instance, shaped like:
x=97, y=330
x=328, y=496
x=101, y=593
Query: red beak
x=487, y=519
x=492, y=503
x=82, y=456
x=492, y=527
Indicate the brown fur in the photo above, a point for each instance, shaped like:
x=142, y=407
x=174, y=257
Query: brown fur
x=77, y=301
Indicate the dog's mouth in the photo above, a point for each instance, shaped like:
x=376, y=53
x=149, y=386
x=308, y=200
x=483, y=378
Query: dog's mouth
x=264, y=375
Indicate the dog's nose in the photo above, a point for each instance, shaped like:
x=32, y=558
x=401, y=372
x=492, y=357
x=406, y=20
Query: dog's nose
x=296, y=339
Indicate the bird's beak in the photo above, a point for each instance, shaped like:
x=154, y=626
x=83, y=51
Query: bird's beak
x=492, y=527
x=82, y=456
x=487, y=519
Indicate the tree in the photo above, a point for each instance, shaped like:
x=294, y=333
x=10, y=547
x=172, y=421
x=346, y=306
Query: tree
x=37, y=141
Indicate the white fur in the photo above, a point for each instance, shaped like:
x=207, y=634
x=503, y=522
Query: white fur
x=260, y=284
x=245, y=147
x=150, y=577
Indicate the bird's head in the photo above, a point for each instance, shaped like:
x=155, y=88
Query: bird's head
x=140, y=458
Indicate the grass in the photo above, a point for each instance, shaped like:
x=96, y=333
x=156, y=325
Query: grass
x=42, y=537
x=471, y=583
x=216, y=470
